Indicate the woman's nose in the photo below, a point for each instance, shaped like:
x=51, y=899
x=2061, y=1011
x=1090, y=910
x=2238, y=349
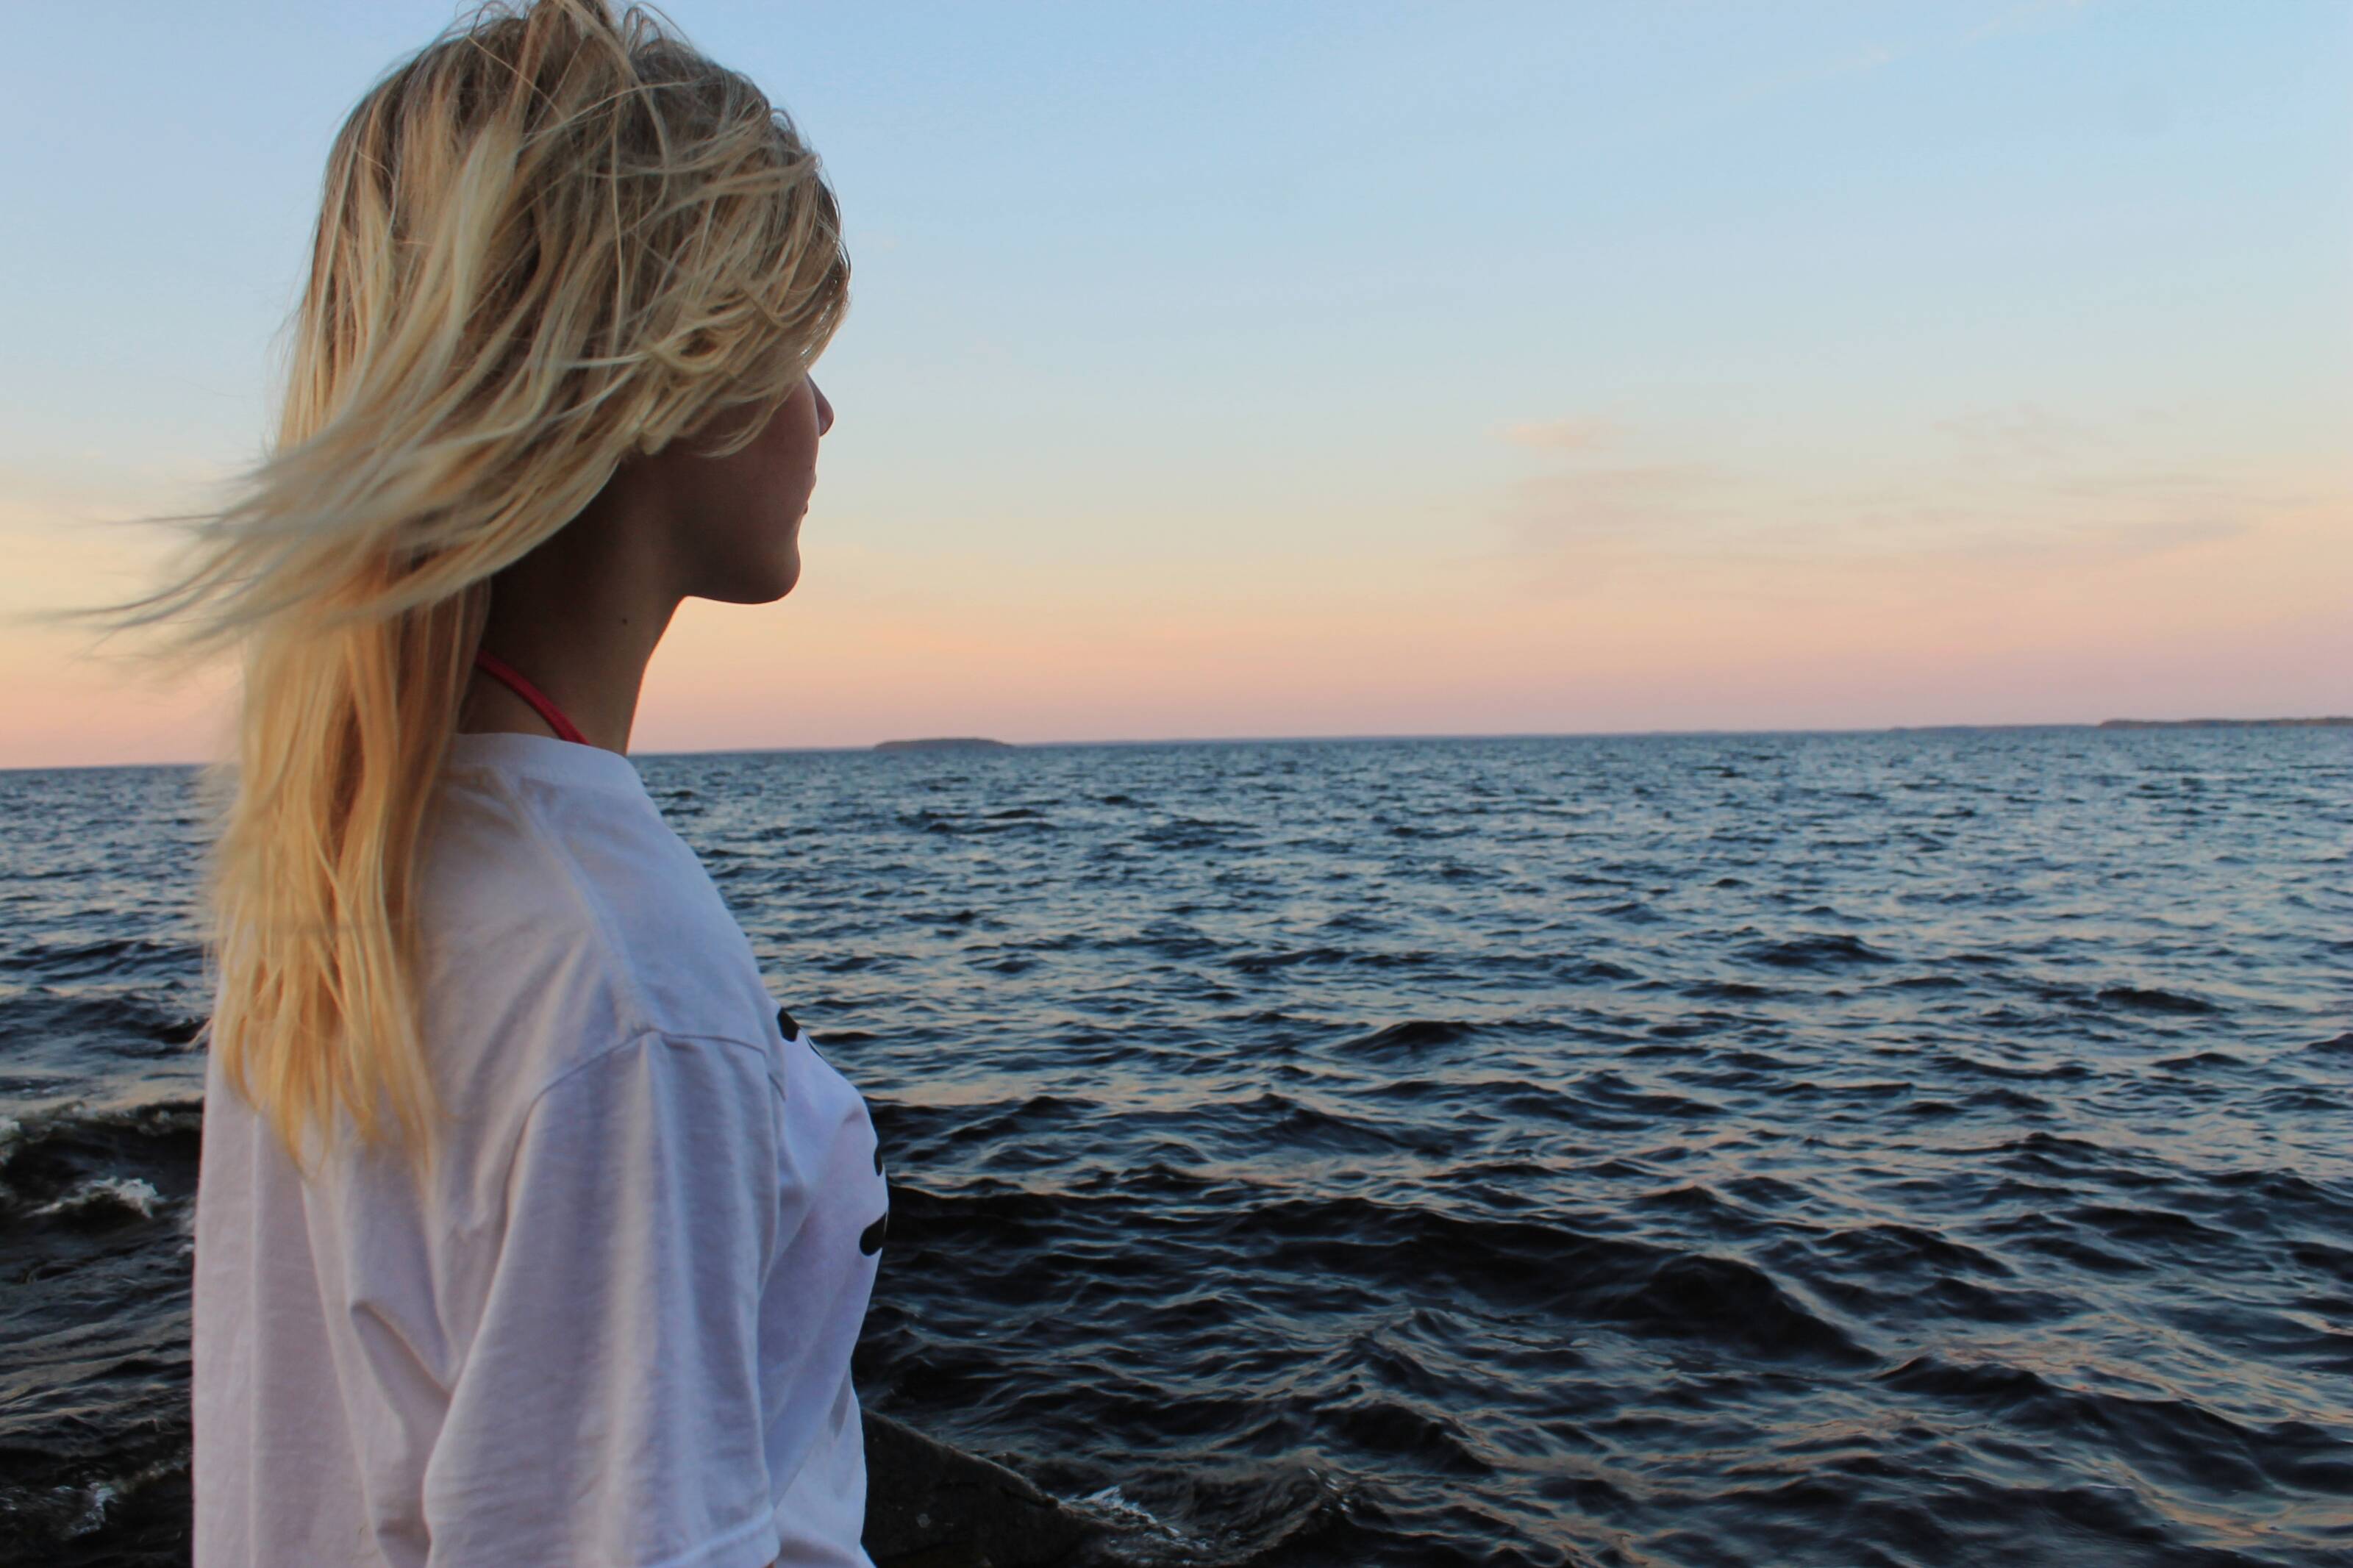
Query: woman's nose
x=824, y=410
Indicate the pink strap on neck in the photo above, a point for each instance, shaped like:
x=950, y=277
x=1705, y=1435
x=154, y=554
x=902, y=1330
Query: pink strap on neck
x=501, y=670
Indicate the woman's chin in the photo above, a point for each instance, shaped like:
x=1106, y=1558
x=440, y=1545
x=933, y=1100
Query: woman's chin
x=761, y=580
x=778, y=584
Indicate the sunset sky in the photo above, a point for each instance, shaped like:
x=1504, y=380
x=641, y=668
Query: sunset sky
x=1355, y=369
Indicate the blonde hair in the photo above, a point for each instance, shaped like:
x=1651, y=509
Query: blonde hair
x=550, y=239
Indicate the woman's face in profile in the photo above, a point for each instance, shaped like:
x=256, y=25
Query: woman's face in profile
x=738, y=518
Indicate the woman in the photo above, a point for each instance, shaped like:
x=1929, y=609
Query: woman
x=529, y=1228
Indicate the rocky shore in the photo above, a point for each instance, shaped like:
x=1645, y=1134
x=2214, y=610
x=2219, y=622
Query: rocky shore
x=929, y=1505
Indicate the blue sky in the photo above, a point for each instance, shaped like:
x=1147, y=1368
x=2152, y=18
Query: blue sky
x=1243, y=299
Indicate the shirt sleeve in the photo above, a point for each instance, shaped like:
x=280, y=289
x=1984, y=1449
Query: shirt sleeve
x=608, y=1411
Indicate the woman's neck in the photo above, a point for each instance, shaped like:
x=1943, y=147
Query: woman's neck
x=579, y=617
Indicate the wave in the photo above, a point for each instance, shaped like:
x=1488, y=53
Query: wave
x=101, y=1018
x=2149, y=1000
x=162, y=1129
x=73, y=1168
x=1407, y=1039
x=101, y=1203
x=2175, y=1440
x=1837, y=951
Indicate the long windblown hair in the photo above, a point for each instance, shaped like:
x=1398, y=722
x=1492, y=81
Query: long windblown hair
x=550, y=240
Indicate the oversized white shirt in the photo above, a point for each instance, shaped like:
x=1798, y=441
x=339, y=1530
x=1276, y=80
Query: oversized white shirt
x=615, y=1330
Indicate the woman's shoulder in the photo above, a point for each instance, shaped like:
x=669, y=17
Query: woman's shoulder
x=576, y=929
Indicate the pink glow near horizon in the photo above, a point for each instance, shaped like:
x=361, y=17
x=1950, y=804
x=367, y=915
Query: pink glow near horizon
x=870, y=647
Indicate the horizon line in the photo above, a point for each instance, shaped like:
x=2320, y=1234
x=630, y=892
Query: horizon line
x=2316, y=721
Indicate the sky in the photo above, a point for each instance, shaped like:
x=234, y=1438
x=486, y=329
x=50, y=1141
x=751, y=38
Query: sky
x=1233, y=370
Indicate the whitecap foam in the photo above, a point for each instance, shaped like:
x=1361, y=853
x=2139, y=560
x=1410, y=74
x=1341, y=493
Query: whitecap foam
x=1110, y=1502
x=135, y=1193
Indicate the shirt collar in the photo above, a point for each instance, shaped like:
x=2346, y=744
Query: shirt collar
x=567, y=763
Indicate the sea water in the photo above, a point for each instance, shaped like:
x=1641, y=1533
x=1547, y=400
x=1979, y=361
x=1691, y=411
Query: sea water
x=1921, y=1147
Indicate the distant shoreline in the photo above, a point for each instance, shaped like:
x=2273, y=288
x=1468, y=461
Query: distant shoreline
x=2333, y=721
x=945, y=743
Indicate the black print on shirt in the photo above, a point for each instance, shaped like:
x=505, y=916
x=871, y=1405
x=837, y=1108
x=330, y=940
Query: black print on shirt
x=871, y=1237
x=869, y=1240
x=785, y=1022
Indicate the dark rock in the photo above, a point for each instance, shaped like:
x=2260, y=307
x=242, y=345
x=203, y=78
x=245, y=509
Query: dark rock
x=932, y=1506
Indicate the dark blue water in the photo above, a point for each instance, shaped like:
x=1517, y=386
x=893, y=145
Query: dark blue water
x=1923, y=1148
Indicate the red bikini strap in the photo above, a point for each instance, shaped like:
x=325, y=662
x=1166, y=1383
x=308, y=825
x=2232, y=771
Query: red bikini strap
x=499, y=670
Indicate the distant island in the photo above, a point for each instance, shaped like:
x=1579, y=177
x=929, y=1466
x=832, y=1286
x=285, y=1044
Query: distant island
x=2338, y=720
x=943, y=743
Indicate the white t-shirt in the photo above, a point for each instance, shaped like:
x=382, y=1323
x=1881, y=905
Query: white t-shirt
x=616, y=1330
